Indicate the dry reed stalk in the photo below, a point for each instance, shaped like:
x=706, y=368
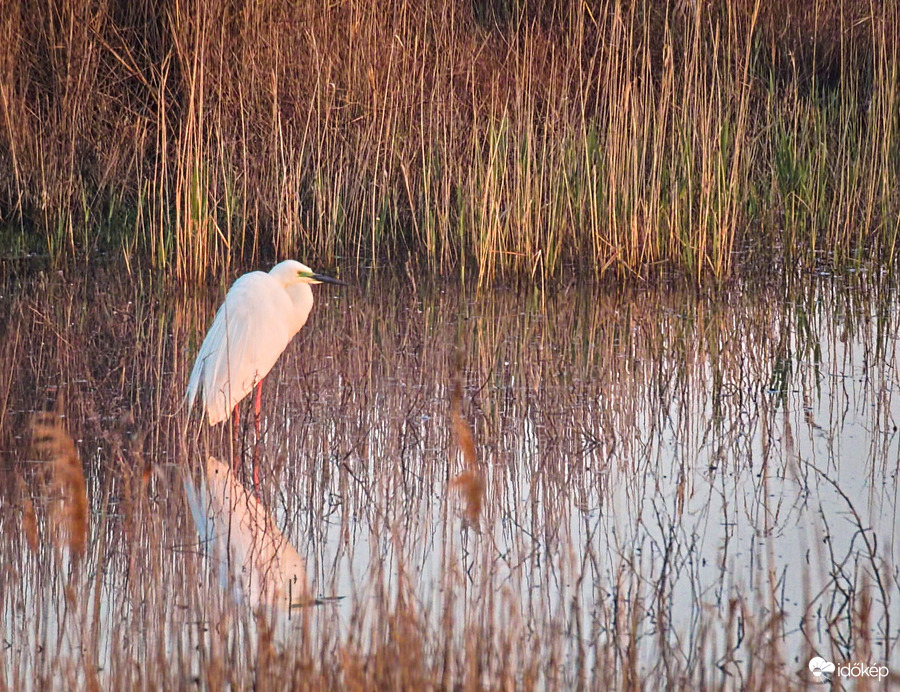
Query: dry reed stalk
x=470, y=482
x=68, y=492
x=29, y=518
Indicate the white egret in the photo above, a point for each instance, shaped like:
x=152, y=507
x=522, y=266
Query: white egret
x=261, y=314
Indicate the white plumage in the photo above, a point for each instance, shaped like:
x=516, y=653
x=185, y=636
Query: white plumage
x=261, y=314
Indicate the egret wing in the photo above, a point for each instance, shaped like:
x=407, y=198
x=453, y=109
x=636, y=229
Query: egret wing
x=246, y=337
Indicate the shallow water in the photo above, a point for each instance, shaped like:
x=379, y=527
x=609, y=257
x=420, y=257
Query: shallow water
x=682, y=488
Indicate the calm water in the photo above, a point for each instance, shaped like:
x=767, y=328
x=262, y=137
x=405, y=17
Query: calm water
x=682, y=488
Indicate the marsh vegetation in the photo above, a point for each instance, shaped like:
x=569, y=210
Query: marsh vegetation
x=485, y=138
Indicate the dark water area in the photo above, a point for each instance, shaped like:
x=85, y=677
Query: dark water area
x=682, y=488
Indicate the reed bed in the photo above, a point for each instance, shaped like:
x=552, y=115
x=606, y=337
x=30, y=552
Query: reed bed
x=679, y=490
x=488, y=138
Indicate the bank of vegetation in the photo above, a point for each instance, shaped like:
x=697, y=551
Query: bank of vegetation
x=699, y=137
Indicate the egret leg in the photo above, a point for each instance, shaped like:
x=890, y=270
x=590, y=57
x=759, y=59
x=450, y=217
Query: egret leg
x=257, y=406
x=236, y=440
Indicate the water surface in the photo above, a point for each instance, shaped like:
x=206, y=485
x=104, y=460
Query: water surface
x=683, y=488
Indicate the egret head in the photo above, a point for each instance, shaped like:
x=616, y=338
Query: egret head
x=293, y=272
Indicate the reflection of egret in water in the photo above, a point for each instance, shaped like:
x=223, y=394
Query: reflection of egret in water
x=252, y=557
x=261, y=314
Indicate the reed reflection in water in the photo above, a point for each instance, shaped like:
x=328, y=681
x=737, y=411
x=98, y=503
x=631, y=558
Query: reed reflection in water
x=681, y=489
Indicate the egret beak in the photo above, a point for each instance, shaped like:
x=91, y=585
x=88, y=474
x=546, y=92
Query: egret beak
x=322, y=279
